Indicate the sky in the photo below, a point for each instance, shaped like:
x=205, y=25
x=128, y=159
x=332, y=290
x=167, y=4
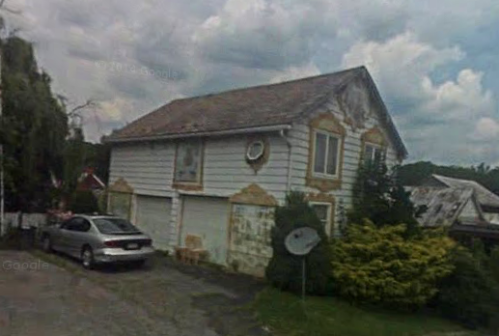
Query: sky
x=436, y=63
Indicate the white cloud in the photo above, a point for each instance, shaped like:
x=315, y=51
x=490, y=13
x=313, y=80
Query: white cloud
x=402, y=64
x=437, y=118
x=296, y=72
x=145, y=53
x=486, y=129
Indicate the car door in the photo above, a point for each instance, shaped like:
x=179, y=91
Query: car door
x=58, y=236
x=77, y=235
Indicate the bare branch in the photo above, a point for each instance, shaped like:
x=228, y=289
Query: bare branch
x=88, y=103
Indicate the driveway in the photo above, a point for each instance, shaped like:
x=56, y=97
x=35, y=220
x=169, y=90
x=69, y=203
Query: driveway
x=39, y=298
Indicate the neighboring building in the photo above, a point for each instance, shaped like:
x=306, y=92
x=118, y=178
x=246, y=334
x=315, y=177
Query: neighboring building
x=216, y=166
x=447, y=207
x=489, y=202
x=459, y=205
x=89, y=181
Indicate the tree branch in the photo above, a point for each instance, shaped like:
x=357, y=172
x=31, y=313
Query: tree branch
x=88, y=103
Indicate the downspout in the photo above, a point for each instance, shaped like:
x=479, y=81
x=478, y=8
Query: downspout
x=290, y=159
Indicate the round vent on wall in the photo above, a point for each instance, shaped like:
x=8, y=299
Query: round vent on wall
x=255, y=151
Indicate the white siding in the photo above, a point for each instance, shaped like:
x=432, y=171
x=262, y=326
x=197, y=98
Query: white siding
x=469, y=211
x=300, y=137
x=148, y=168
x=226, y=171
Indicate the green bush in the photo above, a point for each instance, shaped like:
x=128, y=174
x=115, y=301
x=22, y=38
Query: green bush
x=380, y=198
x=380, y=265
x=494, y=263
x=84, y=201
x=469, y=294
x=285, y=270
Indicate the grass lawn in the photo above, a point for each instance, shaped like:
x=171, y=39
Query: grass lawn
x=283, y=313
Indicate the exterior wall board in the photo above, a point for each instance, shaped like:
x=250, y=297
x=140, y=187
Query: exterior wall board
x=300, y=137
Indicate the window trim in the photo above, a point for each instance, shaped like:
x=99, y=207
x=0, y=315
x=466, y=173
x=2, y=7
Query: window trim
x=329, y=225
x=325, y=122
x=260, y=154
x=328, y=135
x=375, y=146
x=190, y=185
x=373, y=137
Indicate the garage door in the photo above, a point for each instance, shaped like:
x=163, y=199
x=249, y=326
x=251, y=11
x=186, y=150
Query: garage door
x=153, y=217
x=207, y=218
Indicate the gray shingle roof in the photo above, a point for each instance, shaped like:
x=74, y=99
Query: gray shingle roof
x=443, y=205
x=484, y=196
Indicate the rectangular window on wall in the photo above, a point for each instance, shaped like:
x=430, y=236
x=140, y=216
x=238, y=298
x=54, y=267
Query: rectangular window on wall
x=373, y=153
x=323, y=211
x=326, y=154
x=188, y=162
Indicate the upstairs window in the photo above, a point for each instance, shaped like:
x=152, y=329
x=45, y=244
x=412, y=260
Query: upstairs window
x=188, y=162
x=326, y=154
x=373, y=153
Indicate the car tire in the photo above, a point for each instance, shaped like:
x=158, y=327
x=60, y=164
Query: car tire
x=47, y=244
x=87, y=258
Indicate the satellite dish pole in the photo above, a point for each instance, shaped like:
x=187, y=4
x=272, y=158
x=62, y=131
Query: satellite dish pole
x=300, y=242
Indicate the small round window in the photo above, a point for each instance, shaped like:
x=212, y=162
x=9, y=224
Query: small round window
x=255, y=150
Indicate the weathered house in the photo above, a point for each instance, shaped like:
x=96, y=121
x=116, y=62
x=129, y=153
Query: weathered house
x=89, y=181
x=447, y=206
x=459, y=205
x=489, y=202
x=216, y=166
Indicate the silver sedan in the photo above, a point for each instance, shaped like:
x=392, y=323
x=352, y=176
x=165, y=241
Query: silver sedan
x=98, y=239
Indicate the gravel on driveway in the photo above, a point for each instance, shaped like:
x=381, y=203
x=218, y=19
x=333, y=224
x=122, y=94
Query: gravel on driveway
x=38, y=298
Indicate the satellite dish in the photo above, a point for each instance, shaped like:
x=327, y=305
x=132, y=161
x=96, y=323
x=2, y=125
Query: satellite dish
x=301, y=241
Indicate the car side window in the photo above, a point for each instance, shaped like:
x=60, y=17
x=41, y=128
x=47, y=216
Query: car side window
x=77, y=224
x=69, y=224
x=85, y=225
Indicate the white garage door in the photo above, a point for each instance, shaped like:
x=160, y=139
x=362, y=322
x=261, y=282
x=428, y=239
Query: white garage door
x=153, y=217
x=208, y=218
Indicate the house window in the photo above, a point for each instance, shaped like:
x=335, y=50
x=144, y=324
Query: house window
x=323, y=211
x=373, y=153
x=188, y=163
x=326, y=154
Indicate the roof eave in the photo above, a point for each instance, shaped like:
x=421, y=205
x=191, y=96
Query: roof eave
x=401, y=148
x=259, y=129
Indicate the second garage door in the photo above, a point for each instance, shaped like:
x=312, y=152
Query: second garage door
x=207, y=217
x=153, y=217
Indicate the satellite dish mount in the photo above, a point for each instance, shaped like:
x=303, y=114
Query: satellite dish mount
x=300, y=242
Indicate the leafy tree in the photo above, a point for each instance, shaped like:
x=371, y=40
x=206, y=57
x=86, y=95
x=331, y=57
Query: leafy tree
x=84, y=201
x=381, y=199
x=469, y=294
x=34, y=128
x=380, y=265
x=284, y=270
x=414, y=174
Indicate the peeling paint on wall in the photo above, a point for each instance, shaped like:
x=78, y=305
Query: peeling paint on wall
x=249, y=247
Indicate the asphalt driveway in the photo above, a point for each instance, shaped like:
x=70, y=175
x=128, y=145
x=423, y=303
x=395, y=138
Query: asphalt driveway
x=38, y=298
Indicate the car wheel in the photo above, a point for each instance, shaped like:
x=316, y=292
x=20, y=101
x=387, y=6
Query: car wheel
x=87, y=258
x=47, y=244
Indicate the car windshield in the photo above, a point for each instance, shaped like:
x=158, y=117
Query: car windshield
x=115, y=226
